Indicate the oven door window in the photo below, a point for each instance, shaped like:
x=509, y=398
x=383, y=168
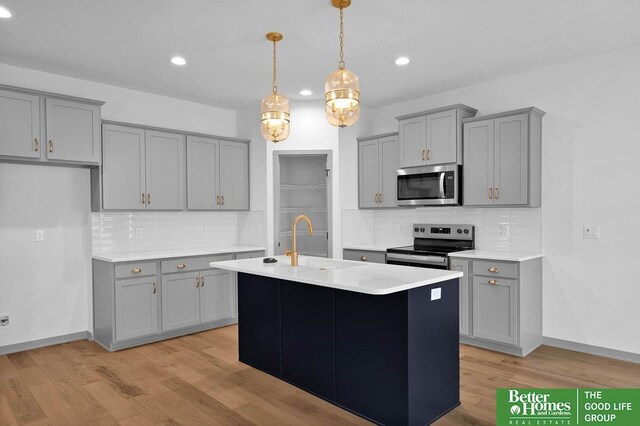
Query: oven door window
x=426, y=186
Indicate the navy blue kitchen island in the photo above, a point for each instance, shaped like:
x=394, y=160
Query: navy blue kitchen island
x=390, y=358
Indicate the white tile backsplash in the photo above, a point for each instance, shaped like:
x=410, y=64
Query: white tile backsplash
x=141, y=231
x=523, y=225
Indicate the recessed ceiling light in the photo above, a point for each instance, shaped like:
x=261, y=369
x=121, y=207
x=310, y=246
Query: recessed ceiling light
x=4, y=13
x=178, y=60
x=402, y=60
x=306, y=92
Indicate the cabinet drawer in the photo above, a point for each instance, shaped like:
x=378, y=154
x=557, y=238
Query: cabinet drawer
x=365, y=256
x=250, y=255
x=138, y=269
x=491, y=268
x=191, y=263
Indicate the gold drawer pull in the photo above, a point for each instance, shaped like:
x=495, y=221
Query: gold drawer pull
x=494, y=282
x=181, y=266
x=493, y=269
x=136, y=270
x=363, y=258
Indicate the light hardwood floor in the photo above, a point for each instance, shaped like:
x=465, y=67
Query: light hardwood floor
x=197, y=380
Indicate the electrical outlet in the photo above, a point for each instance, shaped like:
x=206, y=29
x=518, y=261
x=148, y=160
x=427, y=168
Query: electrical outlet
x=591, y=231
x=207, y=230
x=39, y=235
x=504, y=231
x=139, y=233
x=259, y=229
x=398, y=228
x=4, y=320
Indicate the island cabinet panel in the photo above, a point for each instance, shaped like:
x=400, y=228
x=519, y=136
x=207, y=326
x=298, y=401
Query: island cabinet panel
x=371, y=355
x=259, y=323
x=308, y=343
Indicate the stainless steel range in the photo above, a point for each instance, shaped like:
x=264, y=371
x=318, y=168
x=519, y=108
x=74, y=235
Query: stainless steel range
x=432, y=245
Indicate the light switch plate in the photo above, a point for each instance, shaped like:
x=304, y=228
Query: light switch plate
x=436, y=293
x=591, y=231
x=504, y=231
x=39, y=235
x=139, y=233
x=398, y=228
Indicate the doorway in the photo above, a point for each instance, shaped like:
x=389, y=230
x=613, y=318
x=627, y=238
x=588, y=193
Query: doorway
x=303, y=186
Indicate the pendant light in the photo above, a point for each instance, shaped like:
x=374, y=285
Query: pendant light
x=275, y=107
x=342, y=89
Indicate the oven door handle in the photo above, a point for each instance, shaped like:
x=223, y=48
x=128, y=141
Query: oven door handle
x=442, y=185
x=427, y=260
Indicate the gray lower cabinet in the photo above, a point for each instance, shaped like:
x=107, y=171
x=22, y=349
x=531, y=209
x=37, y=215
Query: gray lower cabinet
x=141, y=302
x=501, y=304
x=217, y=174
x=42, y=128
x=377, y=165
x=136, y=307
x=502, y=159
x=365, y=255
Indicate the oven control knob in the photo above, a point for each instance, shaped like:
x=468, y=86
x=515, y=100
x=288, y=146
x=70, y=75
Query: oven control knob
x=421, y=229
x=459, y=231
x=416, y=229
x=466, y=231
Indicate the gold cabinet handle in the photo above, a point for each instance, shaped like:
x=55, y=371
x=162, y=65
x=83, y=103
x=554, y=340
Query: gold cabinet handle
x=380, y=197
x=217, y=200
x=136, y=270
x=142, y=198
x=155, y=288
x=148, y=198
x=36, y=145
x=493, y=269
x=493, y=282
x=375, y=197
x=363, y=258
x=201, y=282
x=429, y=154
x=222, y=200
x=181, y=266
x=497, y=193
x=50, y=146
x=197, y=282
x=490, y=193
x=422, y=154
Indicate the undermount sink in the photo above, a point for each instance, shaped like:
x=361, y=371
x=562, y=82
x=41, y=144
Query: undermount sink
x=324, y=264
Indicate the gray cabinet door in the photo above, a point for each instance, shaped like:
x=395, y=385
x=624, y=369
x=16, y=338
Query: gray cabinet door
x=20, y=124
x=123, y=168
x=511, y=159
x=164, y=170
x=495, y=309
x=234, y=175
x=202, y=173
x=478, y=163
x=180, y=300
x=368, y=176
x=412, y=142
x=73, y=131
x=442, y=141
x=217, y=295
x=387, y=172
x=136, y=308
x=465, y=289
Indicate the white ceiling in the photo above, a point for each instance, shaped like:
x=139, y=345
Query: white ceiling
x=451, y=43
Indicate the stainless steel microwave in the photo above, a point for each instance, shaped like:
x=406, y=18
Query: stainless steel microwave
x=429, y=185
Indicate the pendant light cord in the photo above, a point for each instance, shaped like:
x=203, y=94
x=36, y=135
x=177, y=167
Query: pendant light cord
x=275, y=84
x=341, y=62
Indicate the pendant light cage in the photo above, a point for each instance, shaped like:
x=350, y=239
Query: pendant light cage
x=274, y=109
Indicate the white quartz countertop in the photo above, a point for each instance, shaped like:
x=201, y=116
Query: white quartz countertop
x=371, y=247
x=510, y=256
x=361, y=277
x=172, y=253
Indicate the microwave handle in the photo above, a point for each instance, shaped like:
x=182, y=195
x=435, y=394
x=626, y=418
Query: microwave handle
x=442, y=185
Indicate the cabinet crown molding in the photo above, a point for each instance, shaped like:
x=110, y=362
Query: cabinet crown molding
x=462, y=107
x=50, y=95
x=176, y=131
x=382, y=135
x=530, y=110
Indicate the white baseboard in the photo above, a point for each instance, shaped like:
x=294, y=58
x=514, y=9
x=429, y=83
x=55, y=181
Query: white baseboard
x=33, y=344
x=591, y=349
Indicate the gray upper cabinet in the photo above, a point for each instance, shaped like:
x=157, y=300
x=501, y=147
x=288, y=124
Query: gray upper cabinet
x=136, y=307
x=202, y=173
x=41, y=127
x=377, y=165
x=73, y=131
x=502, y=159
x=20, y=124
x=217, y=174
x=180, y=300
x=432, y=137
x=164, y=170
x=123, y=168
x=234, y=175
x=217, y=295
